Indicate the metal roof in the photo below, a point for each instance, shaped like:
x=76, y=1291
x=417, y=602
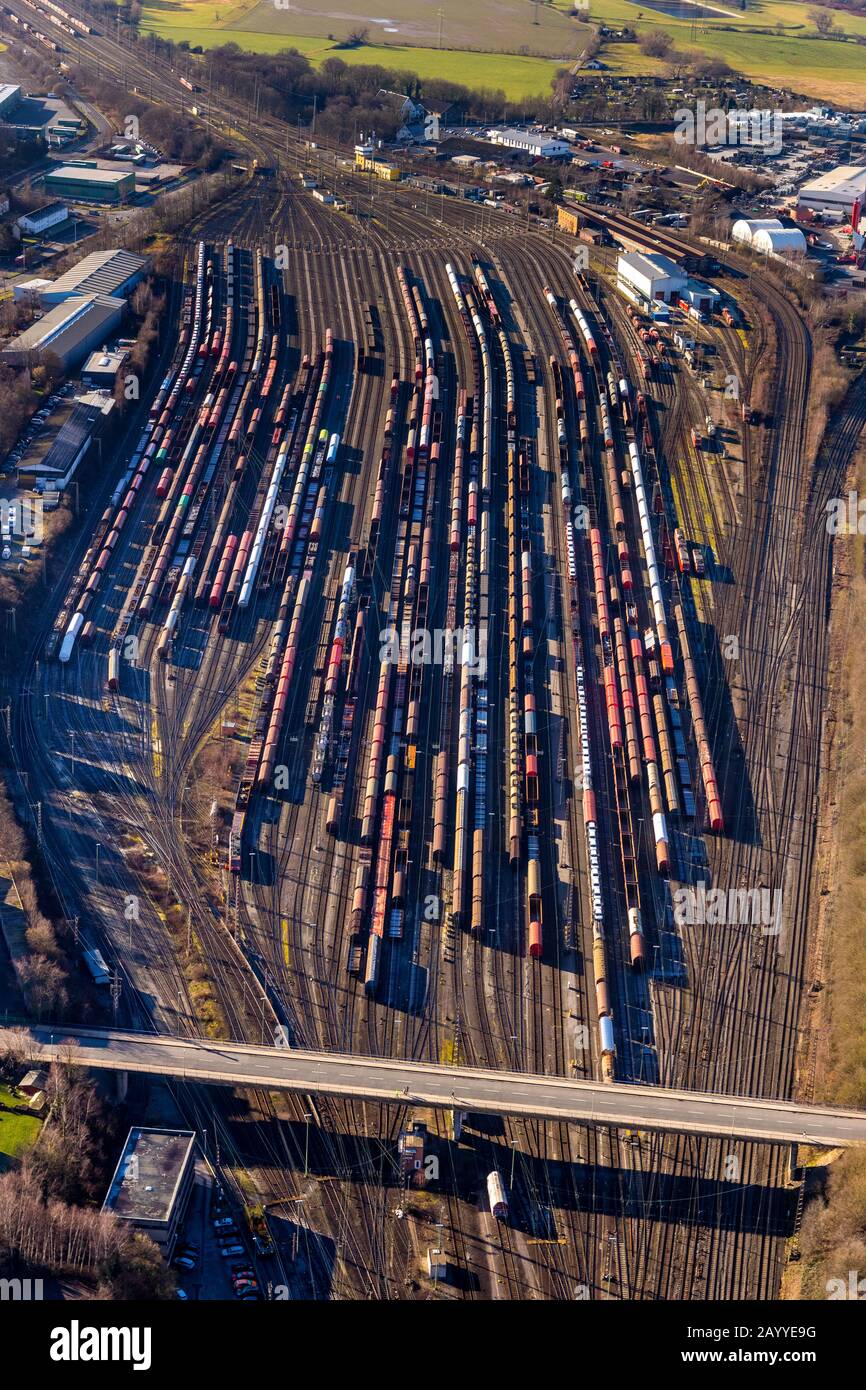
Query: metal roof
x=66, y=325
x=102, y=272
x=47, y=210
x=73, y=434
x=652, y=267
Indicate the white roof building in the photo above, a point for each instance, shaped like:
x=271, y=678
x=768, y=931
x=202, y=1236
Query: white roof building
x=40, y=219
x=30, y=289
x=836, y=191
x=648, y=278
x=782, y=241
x=768, y=236
x=745, y=227
x=541, y=146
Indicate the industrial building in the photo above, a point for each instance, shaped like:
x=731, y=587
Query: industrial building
x=768, y=236
x=539, y=146
x=30, y=289
x=835, y=192
x=366, y=162
x=40, y=220
x=82, y=429
x=101, y=367
x=645, y=279
x=10, y=98
x=152, y=1182
x=102, y=272
x=69, y=331
x=655, y=280
x=87, y=183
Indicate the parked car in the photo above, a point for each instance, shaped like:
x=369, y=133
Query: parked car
x=227, y=1250
x=183, y=1295
x=183, y=1262
x=224, y=1223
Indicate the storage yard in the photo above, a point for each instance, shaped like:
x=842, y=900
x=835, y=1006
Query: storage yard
x=397, y=639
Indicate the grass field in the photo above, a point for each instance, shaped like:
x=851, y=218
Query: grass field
x=518, y=76
x=17, y=1132
x=507, y=26
x=771, y=41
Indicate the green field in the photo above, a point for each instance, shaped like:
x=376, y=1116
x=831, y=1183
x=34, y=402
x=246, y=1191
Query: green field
x=507, y=26
x=518, y=76
x=17, y=1132
x=772, y=41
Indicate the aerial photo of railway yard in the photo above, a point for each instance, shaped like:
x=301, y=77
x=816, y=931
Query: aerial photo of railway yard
x=431, y=794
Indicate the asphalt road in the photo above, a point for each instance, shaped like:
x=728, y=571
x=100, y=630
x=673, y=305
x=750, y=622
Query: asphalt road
x=462, y=1088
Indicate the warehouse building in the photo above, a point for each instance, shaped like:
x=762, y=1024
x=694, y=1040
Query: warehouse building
x=54, y=470
x=10, y=98
x=102, y=272
x=40, y=220
x=152, y=1183
x=654, y=281
x=769, y=237
x=539, y=146
x=69, y=331
x=835, y=192
x=649, y=279
x=87, y=183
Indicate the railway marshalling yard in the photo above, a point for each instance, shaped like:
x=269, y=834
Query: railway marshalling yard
x=406, y=417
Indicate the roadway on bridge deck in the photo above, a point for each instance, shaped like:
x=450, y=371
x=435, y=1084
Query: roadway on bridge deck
x=462, y=1088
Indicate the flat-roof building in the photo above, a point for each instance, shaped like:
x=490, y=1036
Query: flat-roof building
x=152, y=1182
x=101, y=367
x=87, y=183
x=30, y=289
x=835, y=192
x=102, y=272
x=69, y=331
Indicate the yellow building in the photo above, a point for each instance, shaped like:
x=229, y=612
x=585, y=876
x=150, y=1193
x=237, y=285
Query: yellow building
x=368, y=164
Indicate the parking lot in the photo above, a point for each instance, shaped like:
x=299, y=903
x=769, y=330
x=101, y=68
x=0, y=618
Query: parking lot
x=211, y=1274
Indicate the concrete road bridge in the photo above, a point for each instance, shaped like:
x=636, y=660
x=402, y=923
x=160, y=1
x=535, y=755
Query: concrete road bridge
x=392, y=1081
